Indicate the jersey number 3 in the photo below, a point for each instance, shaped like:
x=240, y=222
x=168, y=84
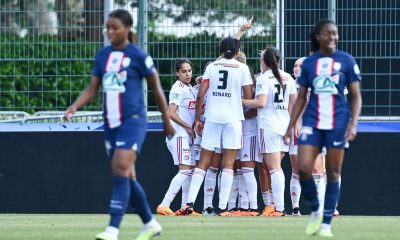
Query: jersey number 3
x=223, y=79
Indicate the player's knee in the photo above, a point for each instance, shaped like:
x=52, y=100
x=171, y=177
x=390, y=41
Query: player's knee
x=304, y=173
x=333, y=175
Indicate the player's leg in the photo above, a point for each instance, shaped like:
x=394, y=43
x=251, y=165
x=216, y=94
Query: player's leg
x=334, y=160
x=319, y=178
x=231, y=141
x=249, y=155
x=234, y=193
x=210, y=141
x=210, y=183
x=295, y=188
x=180, y=150
x=265, y=187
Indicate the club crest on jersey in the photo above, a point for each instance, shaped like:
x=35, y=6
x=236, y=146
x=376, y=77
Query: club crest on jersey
x=326, y=84
x=175, y=96
x=259, y=87
x=114, y=81
x=126, y=61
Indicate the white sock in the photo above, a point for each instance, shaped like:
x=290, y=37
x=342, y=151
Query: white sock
x=251, y=186
x=321, y=188
x=112, y=231
x=340, y=185
x=267, y=198
x=152, y=223
x=185, y=189
x=278, y=188
x=234, y=193
x=325, y=226
x=195, y=184
x=243, y=198
x=175, y=186
x=295, y=190
x=226, y=185
x=209, y=186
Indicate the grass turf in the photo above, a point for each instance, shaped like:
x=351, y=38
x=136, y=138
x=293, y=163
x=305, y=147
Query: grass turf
x=76, y=226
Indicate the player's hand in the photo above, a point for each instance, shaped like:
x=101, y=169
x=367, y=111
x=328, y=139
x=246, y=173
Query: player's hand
x=169, y=131
x=297, y=130
x=288, y=136
x=351, y=132
x=69, y=113
x=192, y=134
x=247, y=25
x=198, y=127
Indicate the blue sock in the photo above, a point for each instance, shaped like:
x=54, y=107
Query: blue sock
x=331, y=197
x=119, y=200
x=309, y=191
x=139, y=201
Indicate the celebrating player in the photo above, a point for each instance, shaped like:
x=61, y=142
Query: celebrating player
x=181, y=110
x=119, y=69
x=326, y=120
x=223, y=82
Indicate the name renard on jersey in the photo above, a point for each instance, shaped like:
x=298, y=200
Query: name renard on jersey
x=221, y=94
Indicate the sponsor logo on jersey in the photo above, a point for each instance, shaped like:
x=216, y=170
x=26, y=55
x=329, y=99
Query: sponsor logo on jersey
x=356, y=69
x=114, y=81
x=192, y=105
x=149, y=62
x=326, y=84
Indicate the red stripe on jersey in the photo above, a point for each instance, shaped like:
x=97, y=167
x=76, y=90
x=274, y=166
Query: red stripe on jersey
x=316, y=68
x=108, y=60
x=206, y=81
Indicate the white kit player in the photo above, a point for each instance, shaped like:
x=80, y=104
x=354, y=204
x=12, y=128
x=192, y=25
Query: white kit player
x=223, y=81
x=181, y=110
x=275, y=91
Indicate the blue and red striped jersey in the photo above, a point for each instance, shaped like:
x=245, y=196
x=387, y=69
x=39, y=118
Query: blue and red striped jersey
x=327, y=77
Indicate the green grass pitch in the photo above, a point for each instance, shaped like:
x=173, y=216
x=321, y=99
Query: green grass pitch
x=81, y=227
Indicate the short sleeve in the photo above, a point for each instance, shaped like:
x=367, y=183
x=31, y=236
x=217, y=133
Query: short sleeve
x=247, y=76
x=292, y=86
x=174, y=95
x=353, y=72
x=302, y=80
x=96, y=71
x=146, y=64
x=261, y=86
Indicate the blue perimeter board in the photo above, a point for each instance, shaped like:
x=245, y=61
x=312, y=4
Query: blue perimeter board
x=60, y=127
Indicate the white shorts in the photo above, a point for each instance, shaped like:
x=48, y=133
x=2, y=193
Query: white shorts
x=196, y=148
x=293, y=149
x=180, y=150
x=229, y=135
x=271, y=142
x=250, y=150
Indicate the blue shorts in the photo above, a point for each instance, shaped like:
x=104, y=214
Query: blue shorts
x=129, y=135
x=322, y=138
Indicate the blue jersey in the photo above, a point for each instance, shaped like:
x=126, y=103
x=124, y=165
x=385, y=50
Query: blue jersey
x=327, y=77
x=121, y=72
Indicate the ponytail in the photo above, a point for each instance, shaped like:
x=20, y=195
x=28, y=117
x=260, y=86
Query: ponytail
x=272, y=62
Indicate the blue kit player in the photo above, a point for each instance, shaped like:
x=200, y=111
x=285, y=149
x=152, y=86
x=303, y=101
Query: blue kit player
x=119, y=69
x=327, y=121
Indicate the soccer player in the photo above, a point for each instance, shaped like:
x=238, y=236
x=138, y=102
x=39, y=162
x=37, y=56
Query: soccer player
x=326, y=120
x=223, y=82
x=181, y=110
x=275, y=91
x=119, y=69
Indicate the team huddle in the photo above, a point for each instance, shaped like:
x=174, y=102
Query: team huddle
x=231, y=120
x=242, y=120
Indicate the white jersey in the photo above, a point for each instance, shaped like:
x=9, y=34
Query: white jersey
x=226, y=78
x=275, y=116
x=184, y=96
